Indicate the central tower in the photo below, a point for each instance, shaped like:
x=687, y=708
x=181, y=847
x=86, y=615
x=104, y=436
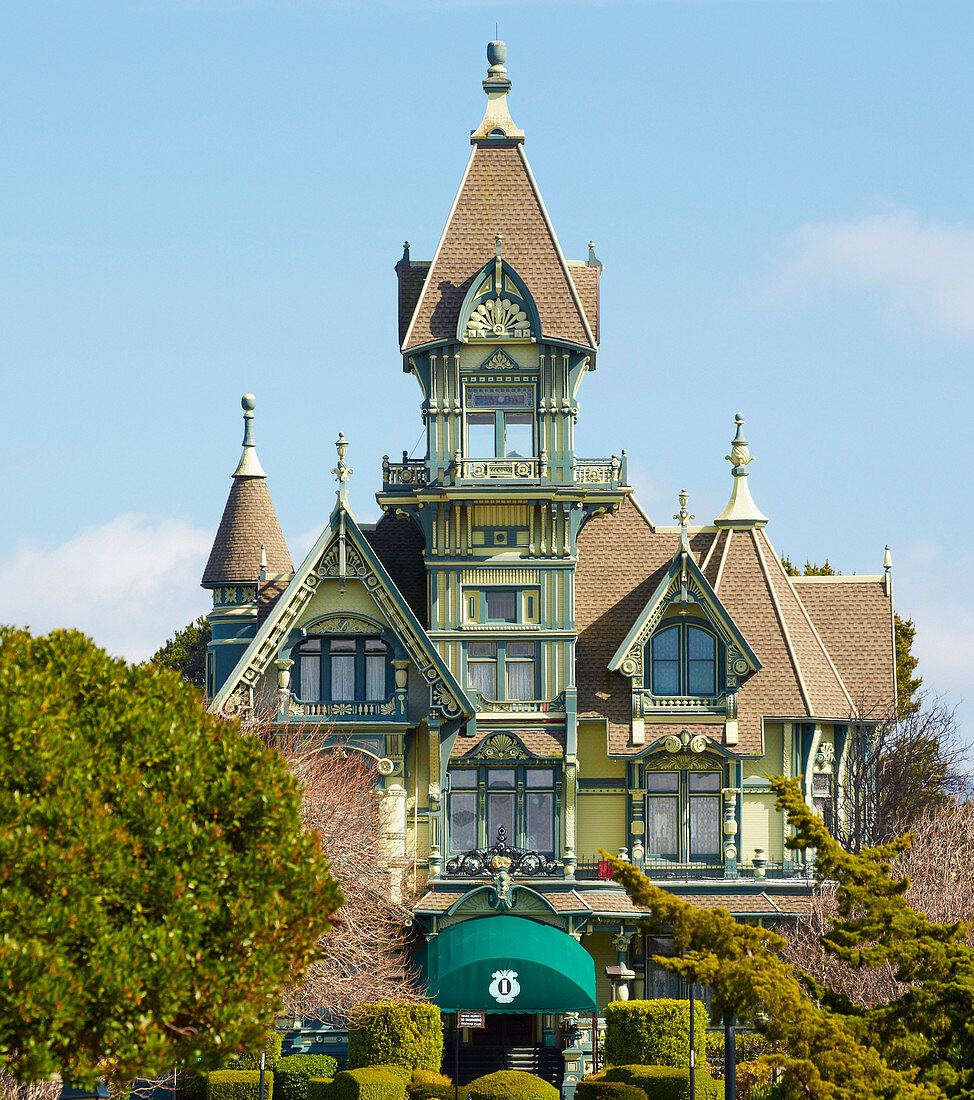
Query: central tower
x=499, y=330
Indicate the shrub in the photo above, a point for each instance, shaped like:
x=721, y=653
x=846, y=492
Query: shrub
x=511, y=1084
x=424, y=1084
x=751, y=1076
x=402, y=1033
x=238, y=1084
x=251, y=1060
x=595, y=1089
x=191, y=1084
x=292, y=1074
x=654, y=1033
x=768, y=1092
x=666, y=1082
x=367, y=1083
x=319, y=1088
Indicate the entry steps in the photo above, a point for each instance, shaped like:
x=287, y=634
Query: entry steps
x=476, y=1061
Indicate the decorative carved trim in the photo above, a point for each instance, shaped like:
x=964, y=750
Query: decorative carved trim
x=342, y=624
x=501, y=746
x=498, y=317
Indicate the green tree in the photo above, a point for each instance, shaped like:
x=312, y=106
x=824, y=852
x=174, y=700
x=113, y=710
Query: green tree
x=907, y=685
x=812, y=569
x=185, y=652
x=919, y=1045
x=157, y=889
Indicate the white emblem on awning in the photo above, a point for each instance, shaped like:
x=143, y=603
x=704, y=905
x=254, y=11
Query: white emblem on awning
x=504, y=988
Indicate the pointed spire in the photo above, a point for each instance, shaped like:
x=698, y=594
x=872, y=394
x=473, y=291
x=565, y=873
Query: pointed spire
x=741, y=511
x=249, y=464
x=497, y=124
x=682, y=517
x=593, y=260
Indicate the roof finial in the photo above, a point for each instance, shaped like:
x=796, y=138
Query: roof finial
x=249, y=464
x=741, y=509
x=342, y=471
x=498, y=244
x=683, y=516
x=593, y=260
x=497, y=124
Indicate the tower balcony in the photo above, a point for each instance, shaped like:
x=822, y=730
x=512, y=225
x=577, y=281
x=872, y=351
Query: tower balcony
x=413, y=473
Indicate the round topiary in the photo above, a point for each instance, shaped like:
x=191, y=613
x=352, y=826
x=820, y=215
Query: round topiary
x=511, y=1084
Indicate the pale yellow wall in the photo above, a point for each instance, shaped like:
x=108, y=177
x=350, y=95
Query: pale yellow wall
x=601, y=823
x=761, y=827
x=600, y=946
x=593, y=762
x=328, y=600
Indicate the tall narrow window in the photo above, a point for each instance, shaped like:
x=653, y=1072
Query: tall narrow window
x=500, y=802
x=500, y=421
x=463, y=810
x=375, y=669
x=480, y=435
x=518, y=435
x=704, y=795
x=343, y=668
x=482, y=668
x=309, y=665
x=701, y=662
x=520, y=661
x=663, y=810
x=666, y=662
x=683, y=661
x=539, y=805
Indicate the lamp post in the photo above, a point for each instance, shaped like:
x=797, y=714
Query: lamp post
x=730, y=1058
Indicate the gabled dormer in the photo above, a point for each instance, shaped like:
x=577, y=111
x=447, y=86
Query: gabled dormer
x=684, y=654
x=498, y=305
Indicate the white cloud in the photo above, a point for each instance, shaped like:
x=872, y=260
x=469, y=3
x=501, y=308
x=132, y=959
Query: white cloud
x=129, y=583
x=918, y=270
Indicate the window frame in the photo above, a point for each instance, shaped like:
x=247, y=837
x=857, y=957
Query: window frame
x=685, y=798
x=684, y=660
x=517, y=836
x=500, y=413
x=501, y=659
x=326, y=667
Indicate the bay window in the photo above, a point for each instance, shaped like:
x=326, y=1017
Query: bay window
x=506, y=669
x=339, y=669
x=486, y=797
x=682, y=660
x=499, y=421
x=683, y=816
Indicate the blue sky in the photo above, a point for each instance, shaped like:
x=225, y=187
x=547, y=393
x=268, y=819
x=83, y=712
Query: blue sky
x=207, y=197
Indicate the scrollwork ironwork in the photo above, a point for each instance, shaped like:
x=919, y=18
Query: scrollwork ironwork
x=501, y=856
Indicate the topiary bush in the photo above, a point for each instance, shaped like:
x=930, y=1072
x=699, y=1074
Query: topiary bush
x=511, y=1084
x=238, y=1084
x=667, y=1082
x=596, y=1089
x=292, y=1074
x=271, y=1045
x=368, y=1083
x=401, y=1033
x=319, y=1088
x=654, y=1033
x=424, y=1084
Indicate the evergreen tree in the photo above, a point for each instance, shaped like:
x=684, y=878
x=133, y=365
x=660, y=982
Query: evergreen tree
x=157, y=889
x=920, y=1045
x=185, y=652
x=907, y=685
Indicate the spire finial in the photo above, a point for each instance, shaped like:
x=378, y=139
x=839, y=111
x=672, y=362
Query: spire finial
x=342, y=471
x=593, y=260
x=887, y=560
x=683, y=517
x=498, y=244
x=741, y=509
x=249, y=464
x=497, y=124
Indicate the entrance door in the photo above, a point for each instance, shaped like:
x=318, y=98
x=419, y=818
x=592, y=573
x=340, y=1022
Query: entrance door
x=504, y=1029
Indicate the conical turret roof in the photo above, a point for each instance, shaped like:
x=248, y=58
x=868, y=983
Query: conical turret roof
x=249, y=522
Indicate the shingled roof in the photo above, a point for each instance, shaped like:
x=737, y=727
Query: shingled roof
x=498, y=194
x=249, y=521
x=825, y=644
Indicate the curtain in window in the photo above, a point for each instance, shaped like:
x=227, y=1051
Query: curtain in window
x=502, y=605
x=375, y=676
x=701, y=662
x=663, y=839
x=310, y=687
x=463, y=822
x=539, y=825
x=482, y=677
x=520, y=679
x=704, y=827
x=500, y=811
x=343, y=676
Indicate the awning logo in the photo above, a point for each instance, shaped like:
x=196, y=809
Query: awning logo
x=505, y=987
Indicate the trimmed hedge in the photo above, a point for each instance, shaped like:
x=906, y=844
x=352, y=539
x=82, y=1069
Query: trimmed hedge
x=191, y=1085
x=251, y=1060
x=667, y=1082
x=402, y=1033
x=292, y=1074
x=319, y=1088
x=595, y=1089
x=424, y=1084
x=511, y=1084
x=238, y=1084
x=368, y=1083
x=654, y=1033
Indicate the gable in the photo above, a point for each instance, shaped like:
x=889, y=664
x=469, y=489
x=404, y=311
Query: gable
x=343, y=557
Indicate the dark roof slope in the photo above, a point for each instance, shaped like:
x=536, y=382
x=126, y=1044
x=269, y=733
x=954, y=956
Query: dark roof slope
x=854, y=618
x=398, y=543
x=411, y=279
x=249, y=520
x=497, y=196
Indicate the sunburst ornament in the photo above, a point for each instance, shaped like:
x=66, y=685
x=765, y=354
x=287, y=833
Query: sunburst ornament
x=498, y=317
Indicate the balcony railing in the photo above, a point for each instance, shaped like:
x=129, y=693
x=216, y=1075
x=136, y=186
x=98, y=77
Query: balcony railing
x=392, y=709
x=518, y=706
x=411, y=472
x=601, y=471
x=500, y=469
x=668, y=870
x=644, y=702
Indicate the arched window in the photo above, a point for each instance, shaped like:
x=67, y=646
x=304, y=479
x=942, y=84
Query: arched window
x=335, y=669
x=682, y=660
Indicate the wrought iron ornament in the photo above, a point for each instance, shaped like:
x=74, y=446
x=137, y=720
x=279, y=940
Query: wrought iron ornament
x=501, y=857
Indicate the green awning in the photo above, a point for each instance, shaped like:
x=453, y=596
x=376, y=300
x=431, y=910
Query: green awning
x=508, y=964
